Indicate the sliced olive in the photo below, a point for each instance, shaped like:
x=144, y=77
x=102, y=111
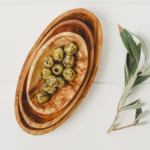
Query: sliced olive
x=57, y=69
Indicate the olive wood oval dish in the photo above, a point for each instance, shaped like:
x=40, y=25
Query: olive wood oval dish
x=63, y=95
x=37, y=120
x=94, y=25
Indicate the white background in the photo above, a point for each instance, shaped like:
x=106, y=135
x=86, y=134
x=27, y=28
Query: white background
x=21, y=23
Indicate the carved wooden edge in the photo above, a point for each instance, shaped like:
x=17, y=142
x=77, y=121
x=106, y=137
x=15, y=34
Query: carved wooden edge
x=71, y=104
x=50, y=106
x=98, y=48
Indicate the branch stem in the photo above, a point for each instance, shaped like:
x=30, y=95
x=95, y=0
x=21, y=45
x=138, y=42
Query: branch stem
x=133, y=124
x=113, y=126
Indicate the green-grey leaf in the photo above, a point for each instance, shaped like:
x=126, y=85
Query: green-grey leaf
x=134, y=48
x=125, y=97
x=139, y=51
x=140, y=79
x=141, y=123
x=138, y=112
x=130, y=85
x=131, y=65
x=147, y=66
x=127, y=70
x=143, y=114
x=145, y=73
x=131, y=104
x=143, y=45
x=133, y=54
x=126, y=77
x=145, y=70
x=134, y=106
x=125, y=38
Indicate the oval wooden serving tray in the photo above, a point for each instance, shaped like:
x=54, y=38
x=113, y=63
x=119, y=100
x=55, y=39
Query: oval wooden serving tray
x=35, y=119
x=92, y=22
x=63, y=95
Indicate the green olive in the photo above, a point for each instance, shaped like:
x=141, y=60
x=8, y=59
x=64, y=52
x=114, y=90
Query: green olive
x=57, y=69
x=68, y=61
x=42, y=97
x=45, y=73
x=58, y=54
x=69, y=74
x=70, y=49
x=61, y=82
x=51, y=81
x=49, y=89
x=48, y=62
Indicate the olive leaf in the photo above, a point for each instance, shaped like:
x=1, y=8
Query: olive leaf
x=125, y=38
x=145, y=73
x=126, y=76
x=141, y=123
x=143, y=114
x=143, y=45
x=147, y=66
x=129, y=85
x=138, y=112
x=145, y=70
x=135, y=49
x=131, y=104
x=135, y=106
x=131, y=65
x=124, y=97
x=140, y=79
x=127, y=69
x=139, y=51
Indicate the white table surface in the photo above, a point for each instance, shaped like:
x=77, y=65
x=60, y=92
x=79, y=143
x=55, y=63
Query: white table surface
x=21, y=23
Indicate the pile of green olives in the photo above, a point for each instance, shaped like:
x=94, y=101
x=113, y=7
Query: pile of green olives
x=58, y=70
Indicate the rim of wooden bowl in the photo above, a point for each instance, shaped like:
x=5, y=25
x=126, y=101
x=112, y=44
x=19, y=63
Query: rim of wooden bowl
x=60, y=114
x=52, y=105
x=85, y=16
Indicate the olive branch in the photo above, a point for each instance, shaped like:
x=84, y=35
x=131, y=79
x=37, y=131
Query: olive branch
x=133, y=77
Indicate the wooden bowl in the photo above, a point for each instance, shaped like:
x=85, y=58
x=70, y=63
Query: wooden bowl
x=92, y=22
x=63, y=95
x=35, y=119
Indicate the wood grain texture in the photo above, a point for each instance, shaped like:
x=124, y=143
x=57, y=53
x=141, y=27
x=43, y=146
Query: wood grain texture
x=92, y=22
x=63, y=95
x=35, y=119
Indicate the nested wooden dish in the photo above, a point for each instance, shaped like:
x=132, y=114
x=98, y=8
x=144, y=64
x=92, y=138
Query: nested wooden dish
x=63, y=95
x=35, y=119
x=92, y=22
